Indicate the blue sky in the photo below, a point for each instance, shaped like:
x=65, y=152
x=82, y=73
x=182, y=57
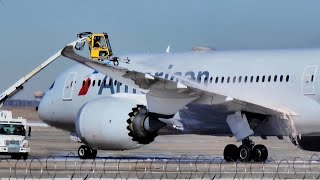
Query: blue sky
x=32, y=30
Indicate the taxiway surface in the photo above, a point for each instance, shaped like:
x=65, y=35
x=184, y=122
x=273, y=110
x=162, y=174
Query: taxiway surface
x=168, y=157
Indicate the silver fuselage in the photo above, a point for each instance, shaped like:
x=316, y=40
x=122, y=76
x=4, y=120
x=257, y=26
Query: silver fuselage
x=293, y=87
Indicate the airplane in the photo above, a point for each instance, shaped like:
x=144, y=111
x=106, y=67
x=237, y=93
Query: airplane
x=121, y=106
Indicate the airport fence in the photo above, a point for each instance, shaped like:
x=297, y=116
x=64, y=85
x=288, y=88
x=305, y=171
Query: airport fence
x=184, y=167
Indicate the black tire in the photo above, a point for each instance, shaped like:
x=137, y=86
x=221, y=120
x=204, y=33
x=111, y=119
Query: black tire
x=93, y=153
x=245, y=153
x=24, y=156
x=260, y=153
x=15, y=156
x=231, y=153
x=84, y=152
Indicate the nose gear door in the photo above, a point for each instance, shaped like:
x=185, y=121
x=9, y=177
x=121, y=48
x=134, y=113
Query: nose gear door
x=308, y=79
x=68, y=86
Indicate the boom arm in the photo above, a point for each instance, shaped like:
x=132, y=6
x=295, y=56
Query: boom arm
x=16, y=87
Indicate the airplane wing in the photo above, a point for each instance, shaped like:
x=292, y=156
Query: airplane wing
x=145, y=82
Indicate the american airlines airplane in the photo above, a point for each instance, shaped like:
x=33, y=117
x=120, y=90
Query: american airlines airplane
x=222, y=93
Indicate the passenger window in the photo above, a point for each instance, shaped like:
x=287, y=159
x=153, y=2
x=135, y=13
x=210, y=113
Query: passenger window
x=263, y=78
x=287, y=78
x=211, y=79
x=234, y=79
x=269, y=78
x=240, y=78
x=245, y=79
x=275, y=78
x=257, y=79
x=99, y=83
x=89, y=82
x=251, y=79
x=110, y=82
x=228, y=80
x=105, y=82
x=222, y=79
x=217, y=79
x=93, y=82
x=312, y=77
x=281, y=78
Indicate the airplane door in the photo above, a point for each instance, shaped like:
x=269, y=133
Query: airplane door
x=308, y=79
x=68, y=86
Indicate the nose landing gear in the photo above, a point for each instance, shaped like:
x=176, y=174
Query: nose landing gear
x=86, y=152
x=246, y=152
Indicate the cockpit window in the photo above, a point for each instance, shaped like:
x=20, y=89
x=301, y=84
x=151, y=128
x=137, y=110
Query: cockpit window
x=51, y=86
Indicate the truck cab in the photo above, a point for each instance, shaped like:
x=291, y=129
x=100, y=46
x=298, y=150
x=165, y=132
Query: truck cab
x=13, y=136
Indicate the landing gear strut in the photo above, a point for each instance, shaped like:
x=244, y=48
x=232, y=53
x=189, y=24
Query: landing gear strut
x=246, y=152
x=86, y=152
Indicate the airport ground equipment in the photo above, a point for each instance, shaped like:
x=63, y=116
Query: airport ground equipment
x=13, y=136
x=101, y=52
x=18, y=86
x=99, y=47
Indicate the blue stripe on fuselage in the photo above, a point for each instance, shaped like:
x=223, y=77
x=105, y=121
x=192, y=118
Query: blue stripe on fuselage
x=111, y=86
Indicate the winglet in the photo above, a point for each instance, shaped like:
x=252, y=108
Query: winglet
x=168, y=49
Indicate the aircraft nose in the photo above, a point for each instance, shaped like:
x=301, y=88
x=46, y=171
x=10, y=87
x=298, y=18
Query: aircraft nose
x=44, y=108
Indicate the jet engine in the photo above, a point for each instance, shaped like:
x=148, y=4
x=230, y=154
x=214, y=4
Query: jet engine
x=308, y=143
x=114, y=123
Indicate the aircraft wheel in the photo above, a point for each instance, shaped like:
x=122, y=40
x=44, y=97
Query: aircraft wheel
x=245, y=153
x=84, y=152
x=231, y=153
x=261, y=153
x=93, y=153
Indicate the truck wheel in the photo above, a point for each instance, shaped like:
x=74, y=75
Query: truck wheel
x=25, y=156
x=15, y=156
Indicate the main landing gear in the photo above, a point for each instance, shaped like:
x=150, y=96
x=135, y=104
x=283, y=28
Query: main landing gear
x=85, y=152
x=246, y=152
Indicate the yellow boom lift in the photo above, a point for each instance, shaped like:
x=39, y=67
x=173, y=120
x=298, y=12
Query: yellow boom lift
x=99, y=45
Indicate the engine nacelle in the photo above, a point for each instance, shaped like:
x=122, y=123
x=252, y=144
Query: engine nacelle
x=115, y=123
x=102, y=124
x=308, y=143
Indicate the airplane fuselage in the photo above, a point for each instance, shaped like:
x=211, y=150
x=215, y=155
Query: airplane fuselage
x=286, y=80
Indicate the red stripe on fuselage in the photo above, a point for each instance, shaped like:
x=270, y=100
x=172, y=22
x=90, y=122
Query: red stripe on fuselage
x=84, y=90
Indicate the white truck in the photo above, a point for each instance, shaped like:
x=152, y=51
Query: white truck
x=13, y=136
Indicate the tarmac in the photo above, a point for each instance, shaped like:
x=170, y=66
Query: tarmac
x=54, y=156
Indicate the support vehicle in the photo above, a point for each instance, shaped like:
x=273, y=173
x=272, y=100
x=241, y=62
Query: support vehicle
x=13, y=140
